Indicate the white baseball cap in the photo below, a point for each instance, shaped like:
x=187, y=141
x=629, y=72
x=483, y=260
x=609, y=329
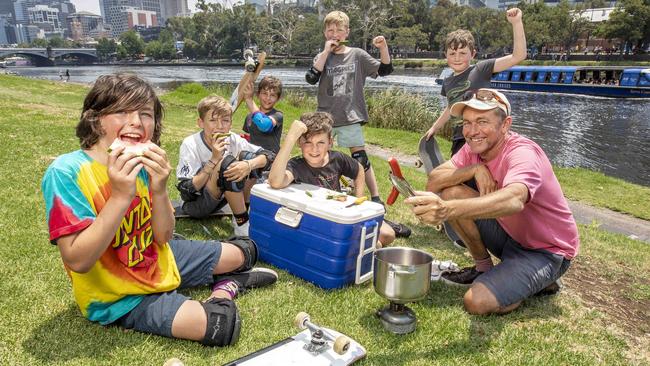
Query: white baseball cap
x=482, y=100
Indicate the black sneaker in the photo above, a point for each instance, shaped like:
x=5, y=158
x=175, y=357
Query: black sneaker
x=401, y=230
x=255, y=278
x=551, y=289
x=460, y=244
x=465, y=277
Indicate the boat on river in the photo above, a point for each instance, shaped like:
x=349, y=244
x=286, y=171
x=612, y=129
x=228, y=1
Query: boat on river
x=604, y=81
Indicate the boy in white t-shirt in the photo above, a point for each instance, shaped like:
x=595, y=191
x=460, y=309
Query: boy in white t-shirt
x=216, y=166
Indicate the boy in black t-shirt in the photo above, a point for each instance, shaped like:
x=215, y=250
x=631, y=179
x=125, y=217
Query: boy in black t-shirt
x=264, y=123
x=320, y=166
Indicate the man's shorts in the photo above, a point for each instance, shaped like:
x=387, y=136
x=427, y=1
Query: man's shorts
x=349, y=136
x=196, y=261
x=522, y=272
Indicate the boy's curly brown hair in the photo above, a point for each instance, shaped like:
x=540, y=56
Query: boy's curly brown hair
x=270, y=83
x=317, y=123
x=215, y=103
x=116, y=93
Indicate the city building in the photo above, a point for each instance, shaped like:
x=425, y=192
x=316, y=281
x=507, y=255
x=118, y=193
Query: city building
x=121, y=15
x=84, y=25
x=173, y=8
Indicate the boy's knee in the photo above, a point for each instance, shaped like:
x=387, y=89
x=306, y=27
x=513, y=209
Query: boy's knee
x=223, y=183
x=223, y=322
x=248, y=249
x=362, y=158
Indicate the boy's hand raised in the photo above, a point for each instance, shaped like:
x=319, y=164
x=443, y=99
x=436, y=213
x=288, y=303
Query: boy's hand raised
x=123, y=170
x=247, y=91
x=379, y=42
x=157, y=165
x=298, y=128
x=218, y=147
x=514, y=15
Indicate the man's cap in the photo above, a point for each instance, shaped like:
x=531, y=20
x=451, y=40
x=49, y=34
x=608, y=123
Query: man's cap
x=482, y=100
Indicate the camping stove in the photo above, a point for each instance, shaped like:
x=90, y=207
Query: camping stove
x=397, y=318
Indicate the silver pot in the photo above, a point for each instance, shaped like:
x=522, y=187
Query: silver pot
x=402, y=275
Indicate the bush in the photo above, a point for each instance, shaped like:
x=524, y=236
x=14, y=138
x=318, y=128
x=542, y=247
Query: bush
x=299, y=100
x=400, y=110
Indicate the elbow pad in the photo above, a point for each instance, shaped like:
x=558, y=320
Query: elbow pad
x=385, y=69
x=312, y=76
x=262, y=121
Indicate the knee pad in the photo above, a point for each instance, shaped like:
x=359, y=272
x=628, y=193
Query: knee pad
x=224, y=323
x=362, y=158
x=187, y=190
x=225, y=184
x=248, y=247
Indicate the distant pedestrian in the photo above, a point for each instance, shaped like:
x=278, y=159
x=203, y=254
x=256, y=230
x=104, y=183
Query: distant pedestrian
x=60, y=74
x=67, y=75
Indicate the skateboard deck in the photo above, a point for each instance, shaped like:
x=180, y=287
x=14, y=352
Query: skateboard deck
x=431, y=157
x=252, y=69
x=314, y=346
x=179, y=213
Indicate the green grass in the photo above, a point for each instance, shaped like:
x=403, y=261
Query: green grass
x=42, y=325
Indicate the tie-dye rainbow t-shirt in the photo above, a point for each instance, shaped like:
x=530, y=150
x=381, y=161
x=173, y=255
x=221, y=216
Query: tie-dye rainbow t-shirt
x=76, y=188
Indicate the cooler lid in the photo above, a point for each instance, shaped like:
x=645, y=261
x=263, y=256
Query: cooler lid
x=313, y=200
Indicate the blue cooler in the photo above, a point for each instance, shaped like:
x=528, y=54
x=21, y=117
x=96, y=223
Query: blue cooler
x=318, y=239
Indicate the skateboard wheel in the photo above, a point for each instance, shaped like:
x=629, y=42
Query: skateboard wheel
x=418, y=163
x=341, y=344
x=438, y=227
x=301, y=319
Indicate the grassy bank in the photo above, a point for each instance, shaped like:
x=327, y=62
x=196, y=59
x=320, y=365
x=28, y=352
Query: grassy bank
x=601, y=318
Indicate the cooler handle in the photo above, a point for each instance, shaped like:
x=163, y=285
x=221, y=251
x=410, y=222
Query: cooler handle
x=289, y=217
x=358, y=278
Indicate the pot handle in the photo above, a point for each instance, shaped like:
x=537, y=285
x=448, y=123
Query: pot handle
x=409, y=272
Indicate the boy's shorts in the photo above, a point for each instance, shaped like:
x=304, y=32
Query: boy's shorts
x=204, y=205
x=522, y=272
x=349, y=136
x=196, y=261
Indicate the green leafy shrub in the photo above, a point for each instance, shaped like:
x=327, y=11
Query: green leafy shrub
x=396, y=109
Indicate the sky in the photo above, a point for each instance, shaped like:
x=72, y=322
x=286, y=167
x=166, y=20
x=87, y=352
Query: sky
x=93, y=5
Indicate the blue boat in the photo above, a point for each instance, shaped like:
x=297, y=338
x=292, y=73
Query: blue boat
x=606, y=81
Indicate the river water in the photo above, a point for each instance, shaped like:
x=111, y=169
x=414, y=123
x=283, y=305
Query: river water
x=603, y=134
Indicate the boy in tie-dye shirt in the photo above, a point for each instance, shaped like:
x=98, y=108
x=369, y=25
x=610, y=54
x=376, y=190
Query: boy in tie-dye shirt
x=110, y=216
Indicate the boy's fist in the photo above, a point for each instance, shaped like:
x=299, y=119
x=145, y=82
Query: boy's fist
x=298, y=128
x=247, y=90
x=514, y=15
x=379, y=42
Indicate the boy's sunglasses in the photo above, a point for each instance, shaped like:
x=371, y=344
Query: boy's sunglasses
x=486, y=96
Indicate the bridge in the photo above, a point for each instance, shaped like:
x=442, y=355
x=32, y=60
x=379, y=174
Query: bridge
x=46, y=56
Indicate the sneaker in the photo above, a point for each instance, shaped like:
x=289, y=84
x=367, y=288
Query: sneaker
x=254, y=278
x=551, y=289
x=401, y=230
x=240, y=230
x=227, y=285
x=465, y=277
x=460, y=244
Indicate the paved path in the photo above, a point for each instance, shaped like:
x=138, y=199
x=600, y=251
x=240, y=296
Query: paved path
x=609, y=220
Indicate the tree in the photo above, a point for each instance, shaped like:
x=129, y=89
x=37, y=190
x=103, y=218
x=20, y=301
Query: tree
x=132, y=43
x=409, y=38
x=283, y=27
x=629, y=22
x=367, y=17
x=105, y=48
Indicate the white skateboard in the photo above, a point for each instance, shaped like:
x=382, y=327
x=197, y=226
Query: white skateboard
x=314, y=346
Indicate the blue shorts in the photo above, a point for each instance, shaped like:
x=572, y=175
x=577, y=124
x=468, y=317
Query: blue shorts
x=349, y=136
x=522, y=272
x=196, y=261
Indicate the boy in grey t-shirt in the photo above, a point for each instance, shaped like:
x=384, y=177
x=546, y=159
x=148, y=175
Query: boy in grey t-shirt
x=459, y=50
x=341, y=72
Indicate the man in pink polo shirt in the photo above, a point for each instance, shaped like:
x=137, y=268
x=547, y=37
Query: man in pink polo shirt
x=518, y=214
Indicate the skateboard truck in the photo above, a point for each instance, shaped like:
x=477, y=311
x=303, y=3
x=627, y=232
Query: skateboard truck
x=249, y=61
x=400, y=185
x=320, y=338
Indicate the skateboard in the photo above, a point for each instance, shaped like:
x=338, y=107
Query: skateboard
x=430, y=157
x=252, y=66
x=314, y=346
x=180, y=214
